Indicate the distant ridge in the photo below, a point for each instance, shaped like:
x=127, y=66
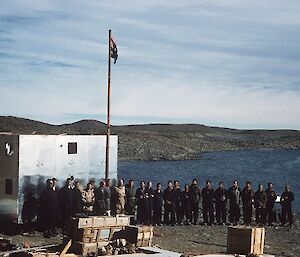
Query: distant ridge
x=163, y=141
x=26, y=126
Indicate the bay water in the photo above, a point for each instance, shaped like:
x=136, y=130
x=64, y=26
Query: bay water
x=257, y=166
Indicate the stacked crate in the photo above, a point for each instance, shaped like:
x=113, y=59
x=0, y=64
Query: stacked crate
x=140, y=236
x=93, y=233
x=245, y=240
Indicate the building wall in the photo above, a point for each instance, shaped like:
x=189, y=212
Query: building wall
x=47, y=156
x=9, y=155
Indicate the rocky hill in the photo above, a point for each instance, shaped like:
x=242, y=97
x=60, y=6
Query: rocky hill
x=163, y=141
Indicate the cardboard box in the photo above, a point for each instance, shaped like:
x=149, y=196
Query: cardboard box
x=245, y=240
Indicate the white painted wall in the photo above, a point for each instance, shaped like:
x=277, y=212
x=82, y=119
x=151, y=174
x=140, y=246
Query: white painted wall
x=48, y=155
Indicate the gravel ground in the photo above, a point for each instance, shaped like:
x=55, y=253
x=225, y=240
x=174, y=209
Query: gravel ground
x=196, y=240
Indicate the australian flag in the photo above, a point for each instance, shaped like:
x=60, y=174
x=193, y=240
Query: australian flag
x=113, y=50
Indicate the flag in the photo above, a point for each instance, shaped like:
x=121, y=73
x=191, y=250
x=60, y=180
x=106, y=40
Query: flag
x=113, y=50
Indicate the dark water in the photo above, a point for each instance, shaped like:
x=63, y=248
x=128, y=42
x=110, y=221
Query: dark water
x=258, y=166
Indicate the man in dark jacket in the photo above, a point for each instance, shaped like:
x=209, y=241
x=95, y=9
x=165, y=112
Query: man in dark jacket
x=77, y=198
x=186, y=204
x=221, y=200
x=260, y=203
x=29, y=212
x=108, y=197
x=178, y=207
x=157, y=205
x=234, y=193
x=66, y=204
x=100, y=203
x=270, y=213
x=169, y=204
x=142, y=204
x=48, y=209
x=150, y=194
x=286, y=200
x=195, y=199
x=58, y=222
x=247, y=199
x=130, y=198
x=208, y=203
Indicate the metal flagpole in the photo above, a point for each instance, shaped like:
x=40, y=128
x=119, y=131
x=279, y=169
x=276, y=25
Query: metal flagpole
x=108, y=107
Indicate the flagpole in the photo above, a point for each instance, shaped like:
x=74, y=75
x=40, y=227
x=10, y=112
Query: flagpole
x=108, y=108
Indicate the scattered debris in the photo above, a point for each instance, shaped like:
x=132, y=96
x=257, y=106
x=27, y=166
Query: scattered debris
x=6, y=245
x=253, y=255
x=26, y=244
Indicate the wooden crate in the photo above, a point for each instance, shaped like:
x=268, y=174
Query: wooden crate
x=92, y=235
x=245, y=240
x=88, y=248
x=110, y=221
x=139, y=235
x=85, y=248
x=102, y=244
x=81, y=222
x=98, y=221
x=144, y=239
x=42, y=254
x=123, y=220
x=46, y=254
x=85, y=235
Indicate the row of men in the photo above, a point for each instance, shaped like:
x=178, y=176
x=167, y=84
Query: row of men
x=183, y=205
x=157, y=206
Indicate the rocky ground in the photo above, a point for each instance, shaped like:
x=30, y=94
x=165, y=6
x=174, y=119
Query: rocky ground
x=179, y=142
x=175, y=142
x=196, y=240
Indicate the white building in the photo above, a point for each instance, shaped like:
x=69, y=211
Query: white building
x=26, y=161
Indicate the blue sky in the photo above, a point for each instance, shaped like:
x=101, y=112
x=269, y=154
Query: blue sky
x=222, y=63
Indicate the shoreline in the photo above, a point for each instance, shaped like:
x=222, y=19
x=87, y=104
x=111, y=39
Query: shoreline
x=198, y=156
x=163, y=141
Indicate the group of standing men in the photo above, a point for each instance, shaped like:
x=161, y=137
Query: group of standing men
x=56, y=206
x=182, y=206
x=156, y=206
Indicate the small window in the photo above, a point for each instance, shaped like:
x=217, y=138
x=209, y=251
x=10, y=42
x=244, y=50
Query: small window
x=72, y=148
x=8, y=186
x=9, y=149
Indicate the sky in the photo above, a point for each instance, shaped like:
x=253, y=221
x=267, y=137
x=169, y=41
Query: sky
x=221, y=63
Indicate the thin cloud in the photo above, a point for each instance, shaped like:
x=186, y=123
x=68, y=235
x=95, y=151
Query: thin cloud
x=214, y=62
